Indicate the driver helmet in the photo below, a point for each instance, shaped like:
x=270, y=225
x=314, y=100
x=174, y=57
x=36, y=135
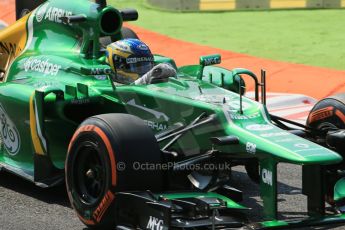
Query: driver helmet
x=130, y=59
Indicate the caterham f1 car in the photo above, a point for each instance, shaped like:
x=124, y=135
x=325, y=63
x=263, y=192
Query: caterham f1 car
x=150, y=156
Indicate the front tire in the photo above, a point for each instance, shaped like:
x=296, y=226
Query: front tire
x=100, y=163
x=328, y=114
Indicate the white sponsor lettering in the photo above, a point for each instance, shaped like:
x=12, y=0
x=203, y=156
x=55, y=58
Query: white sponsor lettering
x=139, y=59
x=101, y=77
x=258, y=127
x=280, y=134
x=9, y=133
x=156, y=126
x=251, y=148
x=266, y=176
x=286, y=140
x=41, y=65
x=52, y=14
x=155, y=224
x=301, y=145
x=243, y=117
x=101, y=71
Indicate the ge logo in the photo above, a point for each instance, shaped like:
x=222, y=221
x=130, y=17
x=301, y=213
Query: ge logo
x=251, y=148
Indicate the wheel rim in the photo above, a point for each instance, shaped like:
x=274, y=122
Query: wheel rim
x=89, y=174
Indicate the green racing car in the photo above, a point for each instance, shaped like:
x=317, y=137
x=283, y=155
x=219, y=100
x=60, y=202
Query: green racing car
x=152, y=156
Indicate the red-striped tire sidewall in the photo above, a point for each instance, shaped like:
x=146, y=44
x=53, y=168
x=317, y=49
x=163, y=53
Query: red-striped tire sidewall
x=97, y=213
x=330, y=110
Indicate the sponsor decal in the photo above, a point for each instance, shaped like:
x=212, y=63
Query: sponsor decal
x=155, y=223
x=81, y=101
x=41, y=12
x=157, y=114
x=209, y=98
x=9, y=133
x=139, y=59
x=279, y=134
x=301, y=145
x=286, y=140
x=244, y=117
x=251, y=148
x=143, y=47
x=104, y=205
x=100, y=71
x=267, y=177
x=212, y=61
x=41, y=65
x=321, y=114
x=101, y=77
x=52, y=14
x=258, y=127
x=45, y=84
x=9, y=48
x=156, y=126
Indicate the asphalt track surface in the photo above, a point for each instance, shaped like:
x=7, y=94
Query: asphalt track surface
x=24, y=206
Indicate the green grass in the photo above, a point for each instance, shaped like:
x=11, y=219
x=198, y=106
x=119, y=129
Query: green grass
x=311, y=37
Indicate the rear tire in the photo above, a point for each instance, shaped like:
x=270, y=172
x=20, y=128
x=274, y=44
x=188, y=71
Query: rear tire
x=253, y=170
x=100, y=163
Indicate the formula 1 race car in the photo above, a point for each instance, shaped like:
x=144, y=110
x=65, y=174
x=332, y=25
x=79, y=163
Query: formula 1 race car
x=155, y=156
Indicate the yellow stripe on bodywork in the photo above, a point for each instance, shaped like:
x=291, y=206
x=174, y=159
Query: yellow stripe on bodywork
x=16, y=34
x=33, y=127
x=13, y=41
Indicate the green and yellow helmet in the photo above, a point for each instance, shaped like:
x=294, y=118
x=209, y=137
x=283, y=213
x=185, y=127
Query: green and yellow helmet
x=130, y=59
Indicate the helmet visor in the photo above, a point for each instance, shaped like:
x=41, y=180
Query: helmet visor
x=141, y=68
x=138, y=67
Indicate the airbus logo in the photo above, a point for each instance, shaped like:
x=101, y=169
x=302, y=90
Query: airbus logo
x=52, y=14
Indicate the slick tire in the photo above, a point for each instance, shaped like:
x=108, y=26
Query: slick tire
x=103, y=158
x=253, y=170
x=328, y=113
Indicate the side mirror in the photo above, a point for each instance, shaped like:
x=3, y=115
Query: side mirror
x=210, y=60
